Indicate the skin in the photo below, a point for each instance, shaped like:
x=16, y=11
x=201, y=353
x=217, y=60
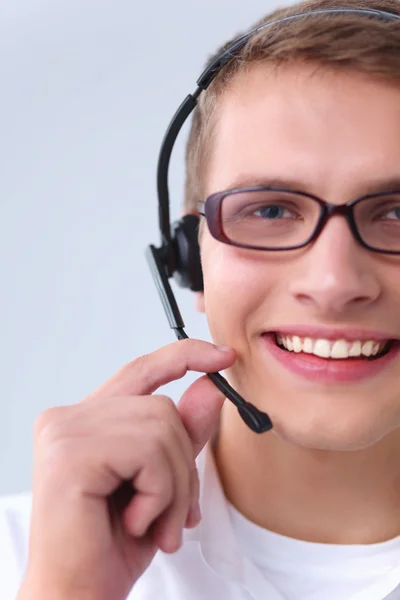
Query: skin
x=89, y=538
x=329, y=471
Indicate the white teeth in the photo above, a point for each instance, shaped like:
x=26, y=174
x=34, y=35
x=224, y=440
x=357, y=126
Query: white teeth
x=355, y=349
x=322, y=348
x=330, y=348
x=308, y=345
x=297, y=345
x=340, y=349
x=367, y=348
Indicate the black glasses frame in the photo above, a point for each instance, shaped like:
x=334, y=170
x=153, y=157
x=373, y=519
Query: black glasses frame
x=211, y=209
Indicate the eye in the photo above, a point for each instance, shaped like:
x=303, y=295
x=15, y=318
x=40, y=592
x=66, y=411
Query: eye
x=393, y=214
x=380, y=210
x=274, y=211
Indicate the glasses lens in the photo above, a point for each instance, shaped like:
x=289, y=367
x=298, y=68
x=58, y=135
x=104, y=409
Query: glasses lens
x=269, y=218
x=378, y=221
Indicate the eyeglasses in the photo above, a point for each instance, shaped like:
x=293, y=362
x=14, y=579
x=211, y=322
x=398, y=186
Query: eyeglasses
x=275, y=218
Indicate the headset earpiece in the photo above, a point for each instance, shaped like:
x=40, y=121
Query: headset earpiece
x=188, y=272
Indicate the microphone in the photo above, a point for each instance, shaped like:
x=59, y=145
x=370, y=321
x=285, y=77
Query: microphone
x=258, y=421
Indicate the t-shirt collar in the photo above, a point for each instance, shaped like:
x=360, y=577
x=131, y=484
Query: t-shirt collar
x=216, y=537
x=219, y=546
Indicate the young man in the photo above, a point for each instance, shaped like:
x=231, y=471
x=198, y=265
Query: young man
x=309, y=321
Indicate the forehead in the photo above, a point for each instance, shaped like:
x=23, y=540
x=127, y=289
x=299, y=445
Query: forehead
x=334, y=134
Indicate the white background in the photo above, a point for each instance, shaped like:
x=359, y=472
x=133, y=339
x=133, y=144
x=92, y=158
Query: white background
x=86, y=91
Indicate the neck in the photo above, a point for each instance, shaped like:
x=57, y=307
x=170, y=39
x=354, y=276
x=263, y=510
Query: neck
x=312, y=495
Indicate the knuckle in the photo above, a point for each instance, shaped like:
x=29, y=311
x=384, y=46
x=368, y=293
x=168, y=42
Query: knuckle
x=58, y=456
x=164, y=404
x=191, y=345
x=156, y=470
x=139, y=369
x=185, y=346
x=162, y=435
x=55, y=446
x=161, y=481
x=47, y=424
x=153, y=450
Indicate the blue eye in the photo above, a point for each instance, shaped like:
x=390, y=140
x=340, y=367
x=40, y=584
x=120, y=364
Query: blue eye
x=271, y=212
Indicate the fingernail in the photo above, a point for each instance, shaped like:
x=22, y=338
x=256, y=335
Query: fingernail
x=224, y=348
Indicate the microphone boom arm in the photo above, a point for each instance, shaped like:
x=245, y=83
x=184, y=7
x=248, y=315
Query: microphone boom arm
x=258, y=421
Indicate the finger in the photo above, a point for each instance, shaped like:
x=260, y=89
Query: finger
x=147, y=373
x=161, y=534
x=154, y=492
x=177, y=512
x=169, y=538
x=152, y=498
x=199, y=409
x=194, y=514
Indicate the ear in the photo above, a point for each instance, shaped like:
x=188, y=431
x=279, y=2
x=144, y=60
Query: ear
x=199, y=302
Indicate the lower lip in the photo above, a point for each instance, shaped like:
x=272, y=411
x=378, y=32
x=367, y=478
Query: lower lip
x=329, y=370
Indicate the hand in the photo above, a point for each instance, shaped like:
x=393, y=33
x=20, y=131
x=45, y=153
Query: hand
x=91, y=535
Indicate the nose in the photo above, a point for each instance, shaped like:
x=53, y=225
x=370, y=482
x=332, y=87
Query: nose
x=336, y=274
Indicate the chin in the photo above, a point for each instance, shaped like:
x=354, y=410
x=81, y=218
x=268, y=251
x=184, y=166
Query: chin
x=339, y=432
x=323, y=417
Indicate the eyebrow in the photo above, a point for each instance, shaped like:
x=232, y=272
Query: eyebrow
x=248, y=181
x=375, y=186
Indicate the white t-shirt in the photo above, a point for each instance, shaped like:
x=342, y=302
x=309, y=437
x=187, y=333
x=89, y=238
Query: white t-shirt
x=309, y=571
x=228, y=557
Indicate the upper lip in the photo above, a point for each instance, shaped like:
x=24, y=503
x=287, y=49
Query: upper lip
x=332, y=333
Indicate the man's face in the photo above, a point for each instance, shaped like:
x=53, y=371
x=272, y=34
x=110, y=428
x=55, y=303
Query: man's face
x=336, y=136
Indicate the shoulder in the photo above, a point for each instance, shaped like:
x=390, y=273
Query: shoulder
x=15, y=513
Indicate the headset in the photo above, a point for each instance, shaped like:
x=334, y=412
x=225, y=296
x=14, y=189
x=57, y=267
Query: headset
x=179, y=253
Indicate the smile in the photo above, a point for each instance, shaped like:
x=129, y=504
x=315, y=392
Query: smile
x=334, y=349
x=331, y=359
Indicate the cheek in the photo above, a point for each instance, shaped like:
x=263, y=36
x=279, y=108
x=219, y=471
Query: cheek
x=233, y=289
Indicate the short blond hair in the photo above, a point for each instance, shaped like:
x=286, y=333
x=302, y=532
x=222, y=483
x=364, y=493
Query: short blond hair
x=342, y=41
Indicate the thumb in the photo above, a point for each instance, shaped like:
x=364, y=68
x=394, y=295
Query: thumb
x=199, y=409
